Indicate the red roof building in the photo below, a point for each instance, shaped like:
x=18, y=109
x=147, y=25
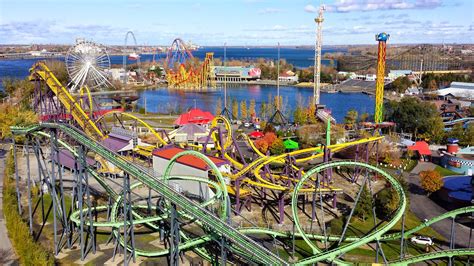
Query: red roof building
x=170, y=151
x=421, y=147
x=194, y=116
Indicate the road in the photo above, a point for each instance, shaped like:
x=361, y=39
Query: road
x=6, y=251
x=425, y=208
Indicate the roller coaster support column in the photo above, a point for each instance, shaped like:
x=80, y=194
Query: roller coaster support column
x=28, y=173
x=128, y=234
x=402, y=239
x=42, y=178
x=84, y=193
x=62, y=201
x=17, y=178
x=53, y=193
x=281, y=207
x=175, y=237
x=452, y=239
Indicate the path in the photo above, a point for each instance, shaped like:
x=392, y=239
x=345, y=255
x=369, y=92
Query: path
x=425, y=208
x=6, y=251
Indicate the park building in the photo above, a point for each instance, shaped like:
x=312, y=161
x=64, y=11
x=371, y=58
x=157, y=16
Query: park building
x=191, y=166
x=288, y=76
x=235, y=73
x=464, y=90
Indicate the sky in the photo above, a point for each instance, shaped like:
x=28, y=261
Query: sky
x=236, y=22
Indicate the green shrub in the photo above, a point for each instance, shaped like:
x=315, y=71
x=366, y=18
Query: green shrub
x=28, y=251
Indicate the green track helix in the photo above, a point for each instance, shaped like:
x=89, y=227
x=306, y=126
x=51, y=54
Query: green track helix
x=240, y=242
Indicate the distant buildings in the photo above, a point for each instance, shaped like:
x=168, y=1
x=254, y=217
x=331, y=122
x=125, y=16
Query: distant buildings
x=458, y=90
x=288, y=76
x=394, y=74
x=235, y=73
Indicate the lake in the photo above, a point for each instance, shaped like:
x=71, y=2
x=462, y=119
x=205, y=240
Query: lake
x=163, y=100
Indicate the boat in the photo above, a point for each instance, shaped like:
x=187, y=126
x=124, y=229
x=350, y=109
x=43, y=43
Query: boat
x=127, y=98
x=133, y=56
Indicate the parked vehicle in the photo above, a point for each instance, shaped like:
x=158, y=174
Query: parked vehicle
x=422, y=240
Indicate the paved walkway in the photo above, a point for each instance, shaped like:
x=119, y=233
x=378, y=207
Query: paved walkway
x=425, y=208
x=6, y=251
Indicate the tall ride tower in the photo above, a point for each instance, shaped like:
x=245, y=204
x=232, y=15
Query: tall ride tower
x=379, y=85
x=317, y=55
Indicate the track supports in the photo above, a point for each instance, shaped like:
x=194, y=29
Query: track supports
x=128, y=233
x=174, y=235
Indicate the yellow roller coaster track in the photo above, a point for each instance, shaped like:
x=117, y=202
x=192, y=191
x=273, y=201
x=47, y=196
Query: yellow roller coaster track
x=146, y=125
x=40, y=71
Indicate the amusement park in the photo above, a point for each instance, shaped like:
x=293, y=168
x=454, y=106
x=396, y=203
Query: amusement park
x=93, y=175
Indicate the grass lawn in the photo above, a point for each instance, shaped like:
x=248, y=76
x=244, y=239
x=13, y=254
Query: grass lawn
x=445, y=172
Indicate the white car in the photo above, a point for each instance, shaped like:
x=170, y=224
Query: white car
x=422, y=240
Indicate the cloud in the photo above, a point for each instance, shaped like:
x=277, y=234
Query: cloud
x=310, y=9
x=269, y=10
x=345, y=6
x=50, y=31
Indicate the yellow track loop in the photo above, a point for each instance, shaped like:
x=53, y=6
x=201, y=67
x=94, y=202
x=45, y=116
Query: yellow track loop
x=152, y=130
x=228, y=127
x=89, y=96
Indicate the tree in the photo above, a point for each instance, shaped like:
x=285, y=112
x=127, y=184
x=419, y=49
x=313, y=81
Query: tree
x=413, y=115
x=219, y=106
x=311, y=113
x=364, y=117
x=235, y=108
x=364, y=205
x=243, y=109
x=351, y=117
x=263, y=110
x=401, y=84
x=431, y=181
x=299, y=115
x=14, y=116
x=251, y=111
x=277, y=147
x=468, y=139
x=433, y=85
x=385, y=203
x=59, y=70
x=261, y=145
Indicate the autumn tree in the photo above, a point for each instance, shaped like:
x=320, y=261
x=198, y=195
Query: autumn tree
x=263, y=108
x=277, y=147
x=364, y=117
x=351, y=117
x=251, y=110
x=431, y=181
x=219, y=106
x=299, y=115
x=14, y=116
x=235, y=108
x=243, y=109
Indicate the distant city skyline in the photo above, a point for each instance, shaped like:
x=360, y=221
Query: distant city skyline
x=238, y=23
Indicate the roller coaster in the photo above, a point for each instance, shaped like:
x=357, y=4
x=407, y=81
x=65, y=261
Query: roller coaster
x=183, y=73
x=146, y=202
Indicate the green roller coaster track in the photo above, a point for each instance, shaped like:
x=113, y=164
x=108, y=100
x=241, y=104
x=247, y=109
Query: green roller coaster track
x=244, y=245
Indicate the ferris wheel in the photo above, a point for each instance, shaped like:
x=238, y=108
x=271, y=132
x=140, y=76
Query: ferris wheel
x=86, y=64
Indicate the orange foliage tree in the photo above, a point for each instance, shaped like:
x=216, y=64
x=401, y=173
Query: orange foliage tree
x=431, y=181
x=266, y=141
